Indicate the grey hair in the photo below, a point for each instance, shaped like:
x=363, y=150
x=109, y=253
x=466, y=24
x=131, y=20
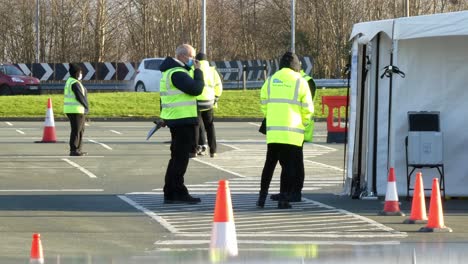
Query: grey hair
x=183, y=49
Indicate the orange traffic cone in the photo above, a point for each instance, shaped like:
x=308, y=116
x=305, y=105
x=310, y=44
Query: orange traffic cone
x=36, y=250
x=49, y=125
x=436, y=216
x=418, y=206
x=391, y=206
x=223, y=235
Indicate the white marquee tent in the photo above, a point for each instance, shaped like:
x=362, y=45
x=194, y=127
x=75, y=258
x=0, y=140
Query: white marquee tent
x=432, y=51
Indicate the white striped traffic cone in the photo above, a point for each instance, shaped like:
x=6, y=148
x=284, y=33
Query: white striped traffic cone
x=392, y=206
x=49, y=125
x=223, y=235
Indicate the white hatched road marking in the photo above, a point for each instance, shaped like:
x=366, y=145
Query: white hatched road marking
x=306, y=220
x=8, y=123
x=21, y=132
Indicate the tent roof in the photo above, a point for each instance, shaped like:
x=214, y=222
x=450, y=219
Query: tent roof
x=446, y=24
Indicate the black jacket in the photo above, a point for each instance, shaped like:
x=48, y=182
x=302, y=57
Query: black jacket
x=80, y=97
x=186, y=84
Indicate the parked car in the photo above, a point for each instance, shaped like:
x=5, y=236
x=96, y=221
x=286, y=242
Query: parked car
x=148, y=75
x=14, y=81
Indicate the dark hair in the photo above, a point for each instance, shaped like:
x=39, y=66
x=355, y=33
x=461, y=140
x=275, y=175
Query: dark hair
x=74, y=70
x=290, y=60
x=201, y=56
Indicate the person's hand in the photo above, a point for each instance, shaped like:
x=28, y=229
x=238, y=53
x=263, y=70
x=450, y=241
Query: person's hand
x=196, y=64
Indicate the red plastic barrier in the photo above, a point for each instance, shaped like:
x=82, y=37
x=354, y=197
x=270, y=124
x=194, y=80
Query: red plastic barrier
x=336, y=130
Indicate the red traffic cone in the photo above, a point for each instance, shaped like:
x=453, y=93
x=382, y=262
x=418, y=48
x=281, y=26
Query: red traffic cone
x=49, y=125
x=436, y=216
x=392, y=206
x=223, y=236
x=418, y=206
x=36, y=250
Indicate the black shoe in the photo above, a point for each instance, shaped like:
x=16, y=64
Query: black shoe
x=275, y=197
x=284, y=205
x=76, y=153
x=261, y=200
x=294, y=198
x=186, y=199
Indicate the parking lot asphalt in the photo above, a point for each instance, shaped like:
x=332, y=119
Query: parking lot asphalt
x=91, y=206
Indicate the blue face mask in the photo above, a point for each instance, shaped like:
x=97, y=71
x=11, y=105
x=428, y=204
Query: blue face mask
x=190, y=62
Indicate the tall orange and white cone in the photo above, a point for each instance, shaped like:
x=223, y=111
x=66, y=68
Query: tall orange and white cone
x=49, y=125
x=435, y=222
x=391, y=206
x=223, y=235
x=418, y=206
x=37, y=257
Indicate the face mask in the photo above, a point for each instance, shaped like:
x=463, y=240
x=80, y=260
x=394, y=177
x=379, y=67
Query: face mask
x=80, y=76
x=190, y=62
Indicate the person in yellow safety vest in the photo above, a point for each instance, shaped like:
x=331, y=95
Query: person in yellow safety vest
x=309, y=133
x=75, y=106
x=206, y=102
x=179, y=88
x=286, y=103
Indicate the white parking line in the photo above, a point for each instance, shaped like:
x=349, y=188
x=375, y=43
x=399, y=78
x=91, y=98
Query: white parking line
x=19, y=131
x=230, y=146
x=254, y=124
x=325, y=165
x=85, y=171
x=102, y=144
x=116, y=132
x=219, y=168
x=8, y=123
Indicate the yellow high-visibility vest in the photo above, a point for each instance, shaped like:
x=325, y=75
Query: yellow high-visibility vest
x=287, y=105
x=176, y=104
x=70, y=104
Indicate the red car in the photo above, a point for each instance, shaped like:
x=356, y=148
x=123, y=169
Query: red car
x=14, y=81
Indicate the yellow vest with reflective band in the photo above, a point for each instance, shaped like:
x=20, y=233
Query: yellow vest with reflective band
x=287, y=105
x=176, y=104
x=70, y=104
x=206, y=98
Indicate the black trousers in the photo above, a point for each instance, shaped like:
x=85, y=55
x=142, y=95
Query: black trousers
x=77, y=124
x=182, y=138
x=206, y=130
x=291, y=159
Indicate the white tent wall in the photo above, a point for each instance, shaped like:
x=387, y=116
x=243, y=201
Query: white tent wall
x=436, y=79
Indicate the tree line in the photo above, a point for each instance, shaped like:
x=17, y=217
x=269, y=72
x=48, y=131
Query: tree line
x=129, y=30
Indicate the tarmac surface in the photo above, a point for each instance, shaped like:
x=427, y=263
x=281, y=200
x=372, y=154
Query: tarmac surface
x=107, y=207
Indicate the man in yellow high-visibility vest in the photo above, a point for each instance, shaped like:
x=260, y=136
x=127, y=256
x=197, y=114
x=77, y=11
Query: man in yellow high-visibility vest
x=179, y=88
x=75, y=106
x=287, y=105
x=206, y=102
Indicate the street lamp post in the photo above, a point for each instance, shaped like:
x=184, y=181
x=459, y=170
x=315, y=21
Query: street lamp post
x=37, y=31
x=203, y=41
x=293, y=26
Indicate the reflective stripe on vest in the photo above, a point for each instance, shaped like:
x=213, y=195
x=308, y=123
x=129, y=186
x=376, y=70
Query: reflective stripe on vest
x=293, y=101
x=70, y=104
x=175, y=104
x=284, y=115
